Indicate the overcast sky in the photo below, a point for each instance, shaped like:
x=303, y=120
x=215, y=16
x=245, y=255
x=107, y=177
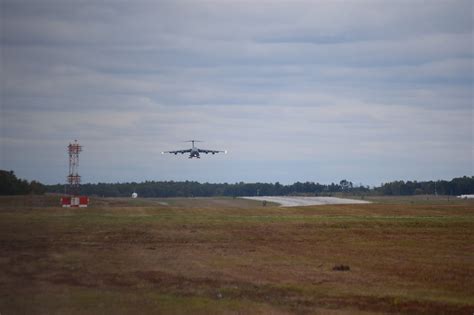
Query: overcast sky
x=369, y=91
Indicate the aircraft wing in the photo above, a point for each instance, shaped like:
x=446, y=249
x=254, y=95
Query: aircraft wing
x=210, y=151
x=177, y=151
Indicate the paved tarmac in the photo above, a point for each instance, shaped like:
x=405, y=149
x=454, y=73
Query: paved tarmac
x=288, y=201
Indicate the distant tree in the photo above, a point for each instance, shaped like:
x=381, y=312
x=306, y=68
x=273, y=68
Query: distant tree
x=11, y=185
x=37, y=188
x=419, y=191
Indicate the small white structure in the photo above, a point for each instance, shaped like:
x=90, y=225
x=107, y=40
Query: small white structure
x=134, y=195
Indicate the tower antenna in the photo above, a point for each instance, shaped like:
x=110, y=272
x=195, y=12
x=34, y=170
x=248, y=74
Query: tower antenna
x=74, y=179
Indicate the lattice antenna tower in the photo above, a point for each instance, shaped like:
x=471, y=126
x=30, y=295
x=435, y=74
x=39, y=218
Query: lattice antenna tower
x=73, y=179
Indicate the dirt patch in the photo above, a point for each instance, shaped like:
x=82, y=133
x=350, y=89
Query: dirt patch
x=341, y=268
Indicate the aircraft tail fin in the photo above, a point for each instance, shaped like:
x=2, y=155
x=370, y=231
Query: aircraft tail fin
x=193, y=141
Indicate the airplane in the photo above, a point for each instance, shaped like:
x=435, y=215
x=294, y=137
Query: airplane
x=194, y=151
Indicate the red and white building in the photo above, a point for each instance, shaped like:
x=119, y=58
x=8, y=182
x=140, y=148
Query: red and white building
x=74, y=201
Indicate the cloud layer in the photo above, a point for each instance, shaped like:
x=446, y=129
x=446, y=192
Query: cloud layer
x=308, y=90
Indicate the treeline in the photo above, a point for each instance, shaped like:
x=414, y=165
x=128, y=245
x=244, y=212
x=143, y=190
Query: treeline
x=11, y=185
x=196, y=189
x=457, y=186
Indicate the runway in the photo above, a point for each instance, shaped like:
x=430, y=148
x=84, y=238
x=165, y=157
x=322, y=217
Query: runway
x=288, y=201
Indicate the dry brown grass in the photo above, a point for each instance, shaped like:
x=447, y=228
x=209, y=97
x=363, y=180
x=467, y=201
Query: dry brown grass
x=228, y=256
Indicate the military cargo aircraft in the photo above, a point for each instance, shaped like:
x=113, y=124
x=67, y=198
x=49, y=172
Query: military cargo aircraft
x=194, y=151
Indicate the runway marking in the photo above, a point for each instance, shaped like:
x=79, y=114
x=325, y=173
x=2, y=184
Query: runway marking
x=306, y=201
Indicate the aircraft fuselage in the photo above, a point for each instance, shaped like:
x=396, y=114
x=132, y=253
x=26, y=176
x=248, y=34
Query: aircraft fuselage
x=194, y=153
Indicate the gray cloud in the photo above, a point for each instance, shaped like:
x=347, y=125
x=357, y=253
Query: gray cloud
x=285, y=86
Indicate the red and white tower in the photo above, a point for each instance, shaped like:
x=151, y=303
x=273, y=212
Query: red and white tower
x=73, y=179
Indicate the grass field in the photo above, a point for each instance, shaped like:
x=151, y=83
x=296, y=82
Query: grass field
x=234, y=256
